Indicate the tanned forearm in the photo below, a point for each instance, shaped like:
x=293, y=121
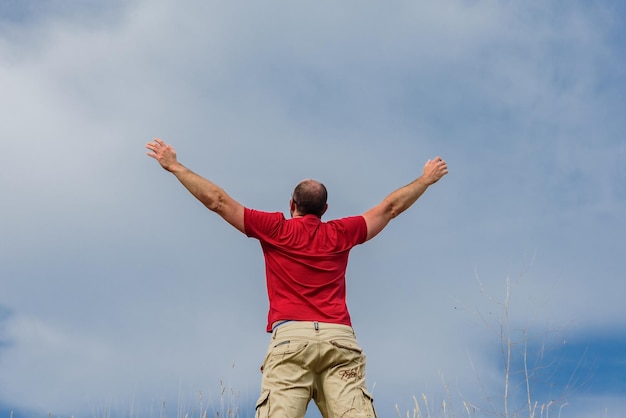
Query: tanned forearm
x=209, y=194
x=401, y=199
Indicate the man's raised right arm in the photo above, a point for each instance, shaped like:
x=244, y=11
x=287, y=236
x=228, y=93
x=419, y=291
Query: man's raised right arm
x=400, y=200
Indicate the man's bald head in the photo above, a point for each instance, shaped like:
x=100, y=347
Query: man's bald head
x=310, y=197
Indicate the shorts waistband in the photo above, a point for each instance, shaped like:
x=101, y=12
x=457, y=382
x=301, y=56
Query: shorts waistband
x=308, y=325
x=279, y=323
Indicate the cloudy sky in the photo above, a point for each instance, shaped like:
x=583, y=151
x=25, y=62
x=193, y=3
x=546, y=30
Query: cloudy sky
x=121, y=295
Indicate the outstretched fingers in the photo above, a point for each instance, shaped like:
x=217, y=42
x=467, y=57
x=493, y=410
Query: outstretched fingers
x=151, y=146
x=158, y=147
x=163, y=153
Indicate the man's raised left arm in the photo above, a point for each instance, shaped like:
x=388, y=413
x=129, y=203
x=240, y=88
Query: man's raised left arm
x=211, y=195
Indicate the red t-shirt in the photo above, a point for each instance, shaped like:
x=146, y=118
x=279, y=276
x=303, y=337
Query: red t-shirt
x=305, y=264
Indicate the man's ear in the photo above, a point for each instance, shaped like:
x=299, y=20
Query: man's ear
x=292, y=206
x=325, y=209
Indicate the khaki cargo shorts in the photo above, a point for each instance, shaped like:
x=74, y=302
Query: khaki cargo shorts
x=319, y=361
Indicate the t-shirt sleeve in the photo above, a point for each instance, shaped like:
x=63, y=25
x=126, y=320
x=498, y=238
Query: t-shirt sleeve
x=259, y=224
x=355, y=229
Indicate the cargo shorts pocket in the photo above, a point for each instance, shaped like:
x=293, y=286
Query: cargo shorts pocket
x=368, y=404
x=348, y=345
x=359, y=404
x=283, y=351
x=288, y=347
x=263, y=405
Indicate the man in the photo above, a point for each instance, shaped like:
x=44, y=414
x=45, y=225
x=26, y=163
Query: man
x=313, y=353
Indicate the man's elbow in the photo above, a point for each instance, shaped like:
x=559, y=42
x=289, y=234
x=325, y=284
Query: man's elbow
x=393, y=213
x=215, y=203
x=390, y=210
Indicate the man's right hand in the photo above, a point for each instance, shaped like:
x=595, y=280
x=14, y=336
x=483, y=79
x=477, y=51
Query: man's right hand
x=434, y=170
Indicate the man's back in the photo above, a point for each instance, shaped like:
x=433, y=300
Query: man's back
x=306, y=262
